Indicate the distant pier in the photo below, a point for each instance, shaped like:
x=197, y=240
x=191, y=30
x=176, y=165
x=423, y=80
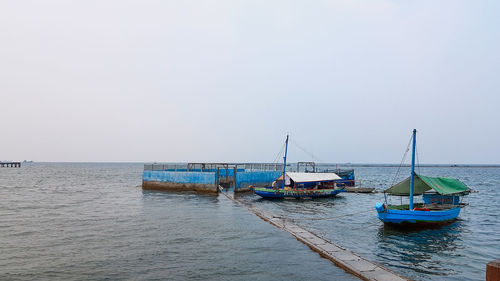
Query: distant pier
x=10, y=164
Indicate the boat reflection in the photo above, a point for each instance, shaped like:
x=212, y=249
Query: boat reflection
x=421, y=250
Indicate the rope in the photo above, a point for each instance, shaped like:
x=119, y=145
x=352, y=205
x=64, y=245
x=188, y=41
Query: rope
x=306, y=152
x=418, y=160
x=321, y=234
x=402, y=160
x=326, y=219
x=279, y=154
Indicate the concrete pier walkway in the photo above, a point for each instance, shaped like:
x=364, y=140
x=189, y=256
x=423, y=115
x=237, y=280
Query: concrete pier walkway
x=343, y=258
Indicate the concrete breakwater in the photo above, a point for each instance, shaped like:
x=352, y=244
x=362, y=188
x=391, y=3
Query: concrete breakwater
x=341, y=257
x=207, y=177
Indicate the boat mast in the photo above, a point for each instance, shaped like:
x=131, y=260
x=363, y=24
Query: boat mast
x=412, y=177
x=284, y=163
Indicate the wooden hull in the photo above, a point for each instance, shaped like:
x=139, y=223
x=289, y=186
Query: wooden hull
x=272, y=193
x=391, y=216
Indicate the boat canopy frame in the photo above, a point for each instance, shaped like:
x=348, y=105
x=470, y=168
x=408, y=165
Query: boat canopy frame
x=422, y=184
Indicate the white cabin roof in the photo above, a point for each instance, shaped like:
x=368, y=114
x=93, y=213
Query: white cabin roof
x=311, y=177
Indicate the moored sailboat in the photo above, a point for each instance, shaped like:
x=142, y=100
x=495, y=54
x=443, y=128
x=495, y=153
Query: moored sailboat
x=441, y=198
x=301, y=185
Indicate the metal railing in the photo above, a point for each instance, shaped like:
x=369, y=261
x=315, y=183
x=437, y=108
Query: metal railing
x=211, y=167
x=202, y=167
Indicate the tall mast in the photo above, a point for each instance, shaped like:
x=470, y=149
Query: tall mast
x=412, y=177
x=284, y=163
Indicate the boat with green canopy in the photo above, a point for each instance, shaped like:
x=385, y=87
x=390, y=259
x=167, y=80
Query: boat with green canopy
x=441, y=199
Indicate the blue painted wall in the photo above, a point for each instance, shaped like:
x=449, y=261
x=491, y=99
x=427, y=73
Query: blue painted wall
x=256, y=178
x=179, y=177
x=230, y=172
x=243, y=179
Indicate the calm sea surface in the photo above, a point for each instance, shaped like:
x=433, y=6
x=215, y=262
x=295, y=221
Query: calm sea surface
x=458, y=251
x=93, y=221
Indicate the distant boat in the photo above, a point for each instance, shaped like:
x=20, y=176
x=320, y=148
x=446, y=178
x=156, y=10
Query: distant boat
x=441, y=198
x=347, y=175
x=301, y=185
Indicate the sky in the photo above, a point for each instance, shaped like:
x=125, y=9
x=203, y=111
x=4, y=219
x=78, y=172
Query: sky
x=225, y=81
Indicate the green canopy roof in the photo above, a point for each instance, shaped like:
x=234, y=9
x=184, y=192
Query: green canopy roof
x=443, y=186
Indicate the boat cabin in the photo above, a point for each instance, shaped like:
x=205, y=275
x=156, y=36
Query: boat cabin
x=307, y=181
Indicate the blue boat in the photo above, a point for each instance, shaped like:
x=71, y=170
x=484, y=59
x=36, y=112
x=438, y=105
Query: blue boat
x=301, y=185
x=441, y=199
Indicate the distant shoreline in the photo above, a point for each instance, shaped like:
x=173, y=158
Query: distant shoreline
x=367, y=165
x=423, y=165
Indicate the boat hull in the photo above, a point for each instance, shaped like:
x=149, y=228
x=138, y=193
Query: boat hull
x=272, y=193
x=397, y=217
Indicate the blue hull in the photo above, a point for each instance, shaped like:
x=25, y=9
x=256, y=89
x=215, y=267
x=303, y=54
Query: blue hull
x=281, y=194
x=418, y=217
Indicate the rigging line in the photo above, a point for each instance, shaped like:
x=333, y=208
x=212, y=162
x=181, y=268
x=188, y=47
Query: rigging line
x=402, y=160
x=418, y=160
x=306, y=152
x=331, y=218
x=323, y=235
x=279, y=154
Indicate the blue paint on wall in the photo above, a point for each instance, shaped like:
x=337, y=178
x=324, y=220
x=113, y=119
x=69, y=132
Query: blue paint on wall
x=243, y=179
x=256, y=178
x=230, y=172
x=179, y=177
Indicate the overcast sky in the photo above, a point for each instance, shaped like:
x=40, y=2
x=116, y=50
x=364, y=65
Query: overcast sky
x=180, y=81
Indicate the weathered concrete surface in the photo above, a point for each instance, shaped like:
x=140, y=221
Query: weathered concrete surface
x=171, y=186
x=493, y=270
x=343, y=258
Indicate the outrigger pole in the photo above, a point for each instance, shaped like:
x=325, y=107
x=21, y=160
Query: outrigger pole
x=284, y=161
x=412, y=180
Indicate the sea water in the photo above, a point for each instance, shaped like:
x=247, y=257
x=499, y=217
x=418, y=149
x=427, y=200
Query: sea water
x=94, y=222
x=69, y=221
x=457, y=251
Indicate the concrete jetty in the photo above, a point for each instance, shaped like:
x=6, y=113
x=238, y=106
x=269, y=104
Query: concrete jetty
x=343, y=258
x=206, y=177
